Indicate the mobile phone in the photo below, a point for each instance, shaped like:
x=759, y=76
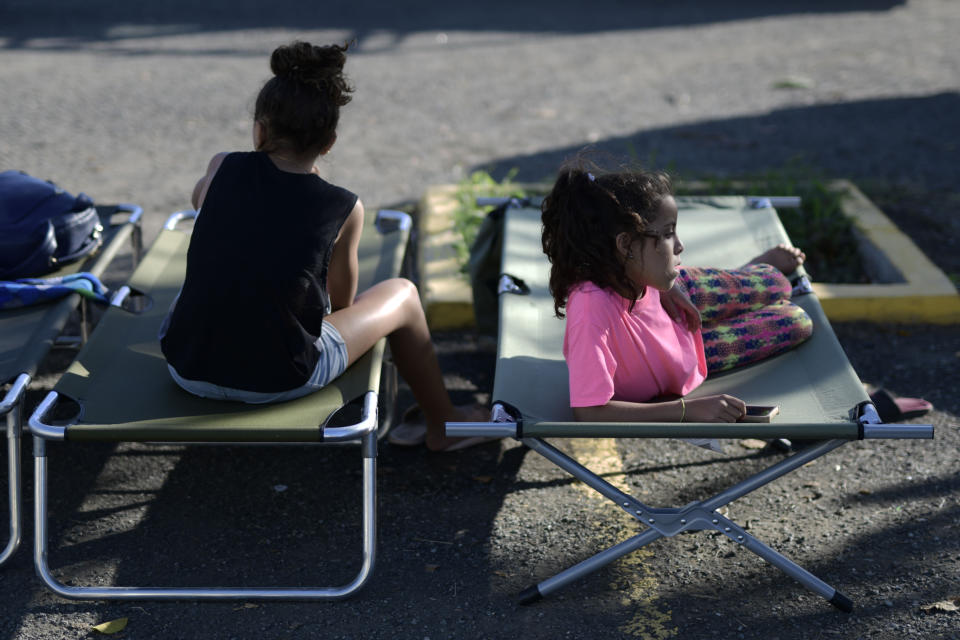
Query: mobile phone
x=757, y=413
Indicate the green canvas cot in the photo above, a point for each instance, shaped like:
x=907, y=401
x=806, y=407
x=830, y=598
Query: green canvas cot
x=27, y=335
x=125, y=392
x=819, y=395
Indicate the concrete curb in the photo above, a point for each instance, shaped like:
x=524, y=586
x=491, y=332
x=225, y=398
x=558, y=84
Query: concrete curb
x=907, y=287
x=444, y=289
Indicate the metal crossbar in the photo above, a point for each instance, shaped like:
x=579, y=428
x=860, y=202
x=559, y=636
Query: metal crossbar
x=696, y=516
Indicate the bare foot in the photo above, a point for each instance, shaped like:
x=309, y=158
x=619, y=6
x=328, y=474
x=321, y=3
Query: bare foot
x=783, y=257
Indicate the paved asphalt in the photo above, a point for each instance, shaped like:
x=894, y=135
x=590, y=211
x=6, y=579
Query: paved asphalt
x=127, y=101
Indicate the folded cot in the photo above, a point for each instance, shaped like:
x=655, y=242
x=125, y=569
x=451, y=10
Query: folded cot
x=820, y=397
x=27, y=335
x=125, y=394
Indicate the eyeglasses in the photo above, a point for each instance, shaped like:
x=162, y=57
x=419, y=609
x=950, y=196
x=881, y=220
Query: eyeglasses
x=657, y=235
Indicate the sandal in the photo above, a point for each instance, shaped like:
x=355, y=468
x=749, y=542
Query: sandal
x=893, y=409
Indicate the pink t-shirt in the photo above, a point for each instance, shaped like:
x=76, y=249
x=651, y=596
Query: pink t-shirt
x=635, y=355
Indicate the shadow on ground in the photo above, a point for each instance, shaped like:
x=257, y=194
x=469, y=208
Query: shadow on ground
x=110, y=20
x=862, y=141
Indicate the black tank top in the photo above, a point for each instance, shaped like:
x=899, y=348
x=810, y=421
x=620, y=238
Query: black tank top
x=255, y=292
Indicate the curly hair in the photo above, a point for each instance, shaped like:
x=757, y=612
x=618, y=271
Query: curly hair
x=299, y=107
x=582, y=216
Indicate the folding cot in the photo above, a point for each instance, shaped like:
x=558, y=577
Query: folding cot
x=820, y=397
x=28, y=334
x=121, y=383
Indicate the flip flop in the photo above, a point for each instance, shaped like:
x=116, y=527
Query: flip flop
x=412, y=430
x=893, y=409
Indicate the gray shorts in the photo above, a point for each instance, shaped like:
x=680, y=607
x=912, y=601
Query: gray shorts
x=332, y=362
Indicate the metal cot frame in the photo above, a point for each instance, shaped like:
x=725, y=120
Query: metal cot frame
x=700, y=515
x=364, y=432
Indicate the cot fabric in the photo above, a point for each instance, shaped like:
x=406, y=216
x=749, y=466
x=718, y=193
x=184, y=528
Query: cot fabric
x=747, y=314
x=614, y=352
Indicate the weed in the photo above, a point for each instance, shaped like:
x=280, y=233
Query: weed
x=468, y=216
x=819, y=226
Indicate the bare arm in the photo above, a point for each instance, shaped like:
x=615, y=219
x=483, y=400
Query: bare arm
x=719, y=408
x=200, y=189
x=344, y=266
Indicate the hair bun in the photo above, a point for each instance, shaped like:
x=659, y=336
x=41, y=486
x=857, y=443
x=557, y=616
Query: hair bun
x=321, y=67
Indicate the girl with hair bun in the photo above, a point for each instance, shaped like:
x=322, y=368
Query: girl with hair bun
x=641, y=330
x=269, y=311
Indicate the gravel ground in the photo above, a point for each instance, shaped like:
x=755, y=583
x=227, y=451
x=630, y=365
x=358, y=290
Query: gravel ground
x=127, y=101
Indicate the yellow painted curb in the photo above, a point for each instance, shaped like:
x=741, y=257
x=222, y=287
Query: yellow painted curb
x=924, y=294
x=915, y=290
x=886, y=303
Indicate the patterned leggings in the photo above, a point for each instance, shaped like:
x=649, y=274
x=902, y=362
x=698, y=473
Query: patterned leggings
x=747, y=314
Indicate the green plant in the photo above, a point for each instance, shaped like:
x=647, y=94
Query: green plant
x=467, y=216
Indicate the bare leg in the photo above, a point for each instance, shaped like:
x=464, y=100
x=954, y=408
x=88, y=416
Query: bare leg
x=783, y=257
x=392, y=308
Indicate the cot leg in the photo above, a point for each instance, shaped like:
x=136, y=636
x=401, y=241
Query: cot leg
x=580, y=472
x=13, y=468
x=593, y=563
x=12, y=406
x=546, y=587
x=798, y=573
x=771, y=473
x=369, y=528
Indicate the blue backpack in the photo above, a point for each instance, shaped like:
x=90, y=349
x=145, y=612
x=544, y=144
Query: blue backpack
x=42, y=226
